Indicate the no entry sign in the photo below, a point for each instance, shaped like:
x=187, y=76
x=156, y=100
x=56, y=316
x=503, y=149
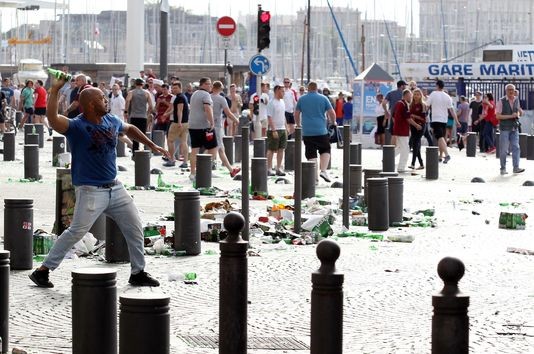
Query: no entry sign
x=226, y=26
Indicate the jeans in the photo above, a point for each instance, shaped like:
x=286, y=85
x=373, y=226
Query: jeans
x=416, y=136
x=403, y=149
x=488, y=135
x=91, y=202
x=509, y=138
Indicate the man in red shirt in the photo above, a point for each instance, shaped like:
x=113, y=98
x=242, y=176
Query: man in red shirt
x=40, y=105
x=401, y=129
x=163, y=102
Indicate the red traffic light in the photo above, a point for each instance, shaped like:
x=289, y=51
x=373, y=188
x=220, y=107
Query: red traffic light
x=265, y=16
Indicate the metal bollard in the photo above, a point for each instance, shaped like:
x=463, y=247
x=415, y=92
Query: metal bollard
x=116, y=246
x=32, y=139
x=388, y=174
x=237, y=148
x=497, y=143
x=94, y=311
x=120, y=148
x=18, y=232
x=298, y=180
x=388, y=158
x=395, y=198
x=471, y=148
x=58, y=147
x=158, y=137
x=18, y=117
x=259, y=148
x=368, y=173
x=346, y=175
x=432, y=162
x=245, y=177
x=63, y=202
x=9, y=146
x=142, y=168
x=450, y=323
x=289, y=158
x=327, y=302
x=258, y=175
x=203, y=177
x=530, y=147
x=228, y=142
x=99, y=228
x=28, y=129
x=378, y=206
x=144, y=324
x=39, y=130
x=187, y=222
x=4, y=301
x=309, y=173
x=233, y=288
x=387, y=137
x=355, y=153
x=355, y=180
x=523, y=145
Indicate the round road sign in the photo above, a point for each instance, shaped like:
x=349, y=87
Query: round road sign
x=226, y=26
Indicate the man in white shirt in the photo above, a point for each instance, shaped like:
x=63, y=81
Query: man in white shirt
x=277, y=131
x=117, y=105
x=260, y=119
x=290, y=100
x=441, y=104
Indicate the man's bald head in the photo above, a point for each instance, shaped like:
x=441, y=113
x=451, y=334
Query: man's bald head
x=88, y=96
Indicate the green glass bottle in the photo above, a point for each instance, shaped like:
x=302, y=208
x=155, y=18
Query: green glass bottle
x=58, y=74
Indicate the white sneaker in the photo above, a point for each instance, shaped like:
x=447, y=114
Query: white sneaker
x=324, y=176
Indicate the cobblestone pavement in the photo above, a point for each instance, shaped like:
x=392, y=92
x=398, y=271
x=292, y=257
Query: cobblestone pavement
x=387, y=289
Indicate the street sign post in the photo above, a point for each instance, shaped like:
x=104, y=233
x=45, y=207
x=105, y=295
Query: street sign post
x=226, y=26
x=259, y=64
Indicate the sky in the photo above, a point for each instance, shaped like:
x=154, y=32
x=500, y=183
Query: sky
x=398, y=10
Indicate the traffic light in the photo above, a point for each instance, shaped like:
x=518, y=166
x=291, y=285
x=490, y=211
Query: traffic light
x=256, y=104
x=264, y=29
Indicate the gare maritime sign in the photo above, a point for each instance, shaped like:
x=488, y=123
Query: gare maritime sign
x=484, y=70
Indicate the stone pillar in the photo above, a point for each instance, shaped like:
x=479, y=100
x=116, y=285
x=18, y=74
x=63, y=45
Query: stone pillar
x=18, y=232
x=187, y=222
x=309, y=174
x=289, y=157
x=471, y=148
x=378, y=206
x=9, y=146
x=203, y=176
x=355, y=180
x=259, y=175
x=388, y=158
x=259, y=147
x=523, y=137
x=142, y=168
x=395, y=199
x=432, y=162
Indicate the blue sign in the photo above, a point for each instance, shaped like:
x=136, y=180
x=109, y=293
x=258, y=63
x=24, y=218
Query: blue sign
x=259, y=64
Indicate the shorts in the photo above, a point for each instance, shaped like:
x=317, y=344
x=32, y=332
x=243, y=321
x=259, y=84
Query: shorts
x=463, y=128
x=312, y=144
x=277, y=144
x=450, y=122
x=380, y=129
x=199, y=139
x=439, y=129
x=219, y=133
x=40, y=111
x=264, y=124
x=28, y=110
x=176, y=132
x=290, y=118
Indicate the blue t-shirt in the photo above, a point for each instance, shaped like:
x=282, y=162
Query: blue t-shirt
x=312, y=107
x=347, y=110
x=93, y=149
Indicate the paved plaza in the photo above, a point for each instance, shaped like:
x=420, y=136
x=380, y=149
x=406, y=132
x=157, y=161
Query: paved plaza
x=388, y=285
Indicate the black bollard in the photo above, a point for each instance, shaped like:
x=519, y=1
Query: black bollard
x=116, y=246
x=9, y=146
x=245, y=177
x=142, y=168
x=4, y=301
x=99, y=228
x=471, y=148
x=144, y=324
x=18, y=117
x=120, y=148
x=395, y=198
x=432, y=162
x=237, y=148
x=497, y=142
x=346, y=175
x=523, y=145
x=158, y=137
x=387, y=137
x=355, y=153
x=94, y=311
x=530, y=147
x=259, y=148
x=378, y=206
x=187, y=222
x=258, y=175
x=228, y=142
x=18, y=232
x=28, y=129
x=327, y=302
x=233, y=288
x=368, y=173
x=450, y=323
x=58, y=147
x=355, y=180
x=39, y=130
x=32, y=139
x=298, y=180
x=388, y=158
x=289, y=157
x=203, y=177
x=309, y=173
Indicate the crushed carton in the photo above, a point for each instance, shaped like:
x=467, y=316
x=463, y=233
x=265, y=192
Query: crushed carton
x=512, y=220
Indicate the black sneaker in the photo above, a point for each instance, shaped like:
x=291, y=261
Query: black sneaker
x=142, y=279
x=40, y=278
x=280, y=173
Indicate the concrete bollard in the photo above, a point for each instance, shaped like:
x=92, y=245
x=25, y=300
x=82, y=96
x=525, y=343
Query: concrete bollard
x=258, y=176
x=28, y=129
x=203, y=177
x=289, y=157
x=144, y=324
x=497, y=143
x=187, y=222
x=39, y=130
x=99, y=228
x=18, y=232
x=9, y=146
x=523, y=145
x=245, y=177
x=450, y=323
x=388, y=158
x=238, y=148
x=116, y=246
x=346, y=176
x=32, y=139
x=387, y=137
x=259, y=148
x=4, y=301
x=120, y=149
x=530, y=147
x=309, y=173
x=94, y=311
x=355, y=153
x=228, y=143
x=298, y=180
x=395, y=199
x=432, y=162
x=327, y=302
x=233, y=288
x=471, y=148
x=378, y=206
x=58, y=147
x=355, y=180
x=368, y=173
x=142, y=168
x=158, y=137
